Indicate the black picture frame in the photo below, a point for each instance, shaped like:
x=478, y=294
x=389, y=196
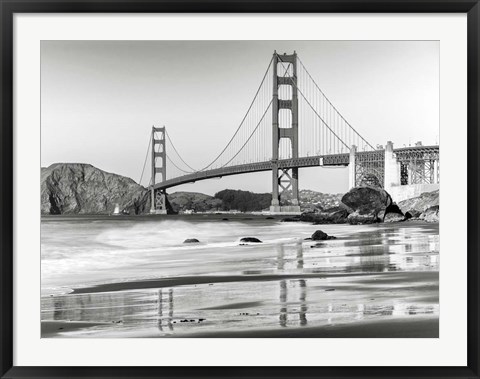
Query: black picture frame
x=7, y=10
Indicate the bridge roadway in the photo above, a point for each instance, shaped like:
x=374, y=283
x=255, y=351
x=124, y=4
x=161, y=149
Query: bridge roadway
x=328, y=160
x=313, y=161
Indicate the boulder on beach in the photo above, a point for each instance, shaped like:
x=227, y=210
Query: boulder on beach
x=191, y=240
x=367, y=200
x=432, y=214
x=250, y=240
x=321, y=236
x=368, y=205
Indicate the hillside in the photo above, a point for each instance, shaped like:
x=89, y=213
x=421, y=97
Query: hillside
x=198, y=202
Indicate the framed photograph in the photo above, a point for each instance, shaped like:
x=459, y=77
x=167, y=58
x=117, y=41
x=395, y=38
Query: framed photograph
x=204, y=189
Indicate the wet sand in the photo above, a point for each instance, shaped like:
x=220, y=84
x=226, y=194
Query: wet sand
x=55, y=328
x=394, y=328
x=378, y=281
x=209, y=279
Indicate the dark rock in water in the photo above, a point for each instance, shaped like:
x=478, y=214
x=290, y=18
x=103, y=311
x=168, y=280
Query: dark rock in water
x=224, y=219
x=321, y=236
x=191, y=240
x=269, y=218
x=394, y=217
x=432, y=214
x=250, y=239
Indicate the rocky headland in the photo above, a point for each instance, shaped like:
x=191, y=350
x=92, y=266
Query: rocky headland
x=77, y=188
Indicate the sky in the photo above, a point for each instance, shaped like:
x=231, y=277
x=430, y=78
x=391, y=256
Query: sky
x=99, y=99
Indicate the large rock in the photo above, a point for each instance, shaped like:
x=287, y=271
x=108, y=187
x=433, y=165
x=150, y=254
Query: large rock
x=431, y=214
x=76, y=188
x=365, y=204
x=367, y=200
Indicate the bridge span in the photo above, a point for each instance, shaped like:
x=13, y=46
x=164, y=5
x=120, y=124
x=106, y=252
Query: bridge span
x=291, y=124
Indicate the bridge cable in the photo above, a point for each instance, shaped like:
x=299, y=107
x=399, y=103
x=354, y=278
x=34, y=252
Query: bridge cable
x=172, y=162
x=193, y=170
x=291, y=79
x=146, y=158
x=259, y=122
x=246, y=114
x=333, y=106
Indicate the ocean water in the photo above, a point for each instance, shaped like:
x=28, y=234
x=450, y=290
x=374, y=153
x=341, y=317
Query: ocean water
x=367, y=272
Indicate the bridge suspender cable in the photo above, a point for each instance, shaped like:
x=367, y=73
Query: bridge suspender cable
x=254, y=130
x=243, y=120
x=311, y=106
x=173, y=146
x=331, y=104
x=259, y=122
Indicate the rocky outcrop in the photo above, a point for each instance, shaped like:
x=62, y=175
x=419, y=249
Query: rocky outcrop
x=75, y=188
x=414, y=207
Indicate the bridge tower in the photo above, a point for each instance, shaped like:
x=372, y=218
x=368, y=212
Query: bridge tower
x=158, y=199
x=284, y=178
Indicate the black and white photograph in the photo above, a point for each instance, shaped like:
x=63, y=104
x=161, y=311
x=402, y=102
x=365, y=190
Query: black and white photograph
x=240, y=189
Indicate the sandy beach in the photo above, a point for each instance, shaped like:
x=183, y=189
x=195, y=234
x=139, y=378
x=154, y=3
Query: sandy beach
x=370, y=282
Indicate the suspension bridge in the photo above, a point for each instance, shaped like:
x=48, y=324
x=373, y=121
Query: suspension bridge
x=291, y=124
